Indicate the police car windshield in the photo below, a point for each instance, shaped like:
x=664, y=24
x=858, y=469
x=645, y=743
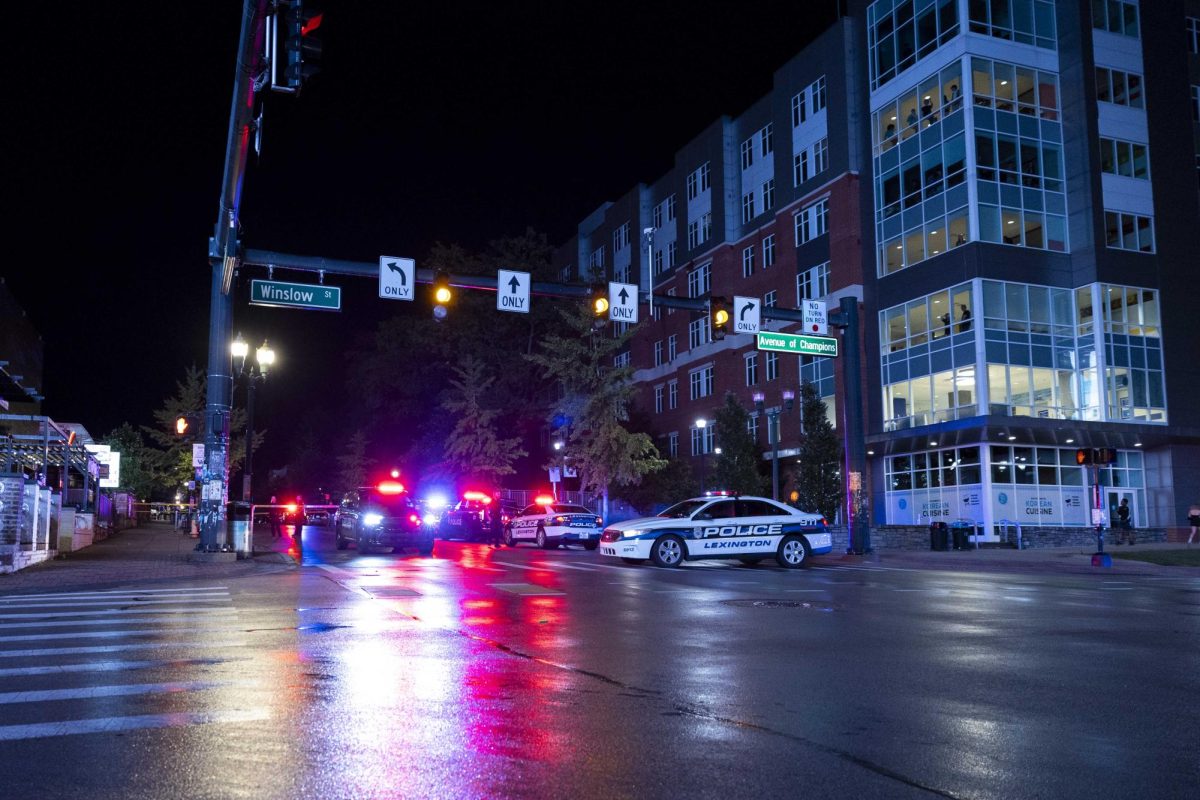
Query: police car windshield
x=395, y=502
x=684, y=509
x=565, y=509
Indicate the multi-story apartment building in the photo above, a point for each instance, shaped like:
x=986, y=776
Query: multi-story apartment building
x=1009, y=188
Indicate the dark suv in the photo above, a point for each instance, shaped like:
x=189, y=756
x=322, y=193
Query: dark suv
x=381, y=516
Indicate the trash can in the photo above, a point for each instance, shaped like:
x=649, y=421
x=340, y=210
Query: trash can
x=939, y=536
x=960, y=533
x=241, y=534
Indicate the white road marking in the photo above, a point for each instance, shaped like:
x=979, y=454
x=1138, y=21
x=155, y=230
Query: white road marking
x=112, y=648
x=92, y=692
x=117, y=592
x=126, y=611
x=38, y=637
x=102, y=666
x=114, y=724
x=131, y=602
x=76, y=623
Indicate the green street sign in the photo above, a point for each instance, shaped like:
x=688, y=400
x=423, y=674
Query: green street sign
x=296, y=295
x=799, y=344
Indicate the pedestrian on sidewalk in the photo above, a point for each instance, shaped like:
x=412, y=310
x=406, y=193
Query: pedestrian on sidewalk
x=1123, y=521
x=1194, y=521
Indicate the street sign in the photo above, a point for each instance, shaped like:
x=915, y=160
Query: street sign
x=816, y=320
x=799, y=344
x=197, y=455
x=512, y=291
x=555, y=475
x=747, y=314
x=282, y=294
x=397, y=278
x=623, y=302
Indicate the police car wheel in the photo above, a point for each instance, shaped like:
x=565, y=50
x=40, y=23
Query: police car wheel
x=542, y=541
x=793, y=552
x=340, y=543
x=507, y=536
x=750, y=561
x=590, y=545
x=668, y=551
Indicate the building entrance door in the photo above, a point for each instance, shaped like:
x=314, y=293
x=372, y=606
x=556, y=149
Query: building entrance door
x=1115, y=496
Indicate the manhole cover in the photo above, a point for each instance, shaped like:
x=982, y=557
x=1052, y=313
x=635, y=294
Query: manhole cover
x=391, y=592
x=812, y=605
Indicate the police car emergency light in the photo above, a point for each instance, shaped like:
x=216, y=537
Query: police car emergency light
x=720, y=526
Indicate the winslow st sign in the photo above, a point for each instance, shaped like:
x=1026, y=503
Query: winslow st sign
x=296, y=295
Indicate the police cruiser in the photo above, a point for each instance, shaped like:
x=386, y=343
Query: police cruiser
x=549, y=524
x=746, y=528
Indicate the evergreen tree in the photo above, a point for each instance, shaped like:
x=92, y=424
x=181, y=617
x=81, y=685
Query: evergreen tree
x=354, y=464
x=738, y=464
x=597, y=401
x=818, y=476
x=139, y=463
x=473, y=448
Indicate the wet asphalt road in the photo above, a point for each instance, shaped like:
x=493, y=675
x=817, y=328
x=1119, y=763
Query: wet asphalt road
x=546, y=674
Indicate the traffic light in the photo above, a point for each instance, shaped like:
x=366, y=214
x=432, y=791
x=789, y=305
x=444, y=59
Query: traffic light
x=292, y=45
x=442, y=295
x=1095, y=456
x=718, y=310
x=599, y=300
x=185, y=424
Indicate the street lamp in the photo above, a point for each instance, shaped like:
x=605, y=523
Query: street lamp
x=562, y=468
x=789, y=398
x=265, y=357
x=701, y=424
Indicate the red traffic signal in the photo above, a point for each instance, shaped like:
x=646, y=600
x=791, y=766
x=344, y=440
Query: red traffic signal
x=1095, y=456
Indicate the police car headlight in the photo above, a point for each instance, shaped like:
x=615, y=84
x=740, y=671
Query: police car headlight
x=629, y=533
x=431, y=519
x=371, y=520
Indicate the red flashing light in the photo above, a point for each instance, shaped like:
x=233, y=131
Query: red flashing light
x=480, y=496
x=312, y=24
x=414, y=519
x=390, y=487
x=291, y=507
x=543, y=499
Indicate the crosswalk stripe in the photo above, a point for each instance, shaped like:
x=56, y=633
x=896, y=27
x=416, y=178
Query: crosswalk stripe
x=40, y=637
x=114, y=724
x=115, y=592
x=112, y=648
x=181, y=623
x=130, y=601
x=111, y=611
x=105, y=666
x=121, y=690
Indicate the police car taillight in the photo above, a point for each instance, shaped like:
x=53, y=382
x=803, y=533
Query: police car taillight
x=824, y=522
x=599, y=521
x=559, y=520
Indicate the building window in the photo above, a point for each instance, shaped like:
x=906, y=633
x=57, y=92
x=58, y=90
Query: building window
x=899, y=35
x=701, y=382
x=811, y=162
x=693, y=234
x=768, y=195
x=672, y=346
x=673, y=444
x=658, y=399
x=1193, y=35
x=621, y=237
x=751, y=369
x=748, y=153
x=1124, y=158
x=565, y=274
x=699, y=331
x=706, y=227
x=768, y=245
x=1116, y=16
x=808, y=101
x=1129, y=232
x=670, y=255
x=658, y=262
x=670, y=311
x=747, y=261
x=1119, y=88
x=812, y=221
x=697, y=182
x=700, y=280
x=1195, y=103
x=672, y=395
x=752, y=427
x=671, y=208
x=1024, y=22
x=767, y=139
x=658, y=353
x=747, y=207
x=703, y=439
x=812, y=284
x=621, y=360
x=596, y=262
x=769, y=299
x=772, y=365
x=657, y=216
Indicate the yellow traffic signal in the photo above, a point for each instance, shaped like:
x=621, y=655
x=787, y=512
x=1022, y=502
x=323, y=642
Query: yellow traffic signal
x=442, y=293
x=719, y=309
x=600, y=301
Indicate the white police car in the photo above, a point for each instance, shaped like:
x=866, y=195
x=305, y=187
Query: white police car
x=549, y=524
x=746, y=528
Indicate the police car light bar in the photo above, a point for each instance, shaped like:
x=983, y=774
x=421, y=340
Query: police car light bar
x=480, y=496
x=543, y=500
x=390, y=487
x=720, y=493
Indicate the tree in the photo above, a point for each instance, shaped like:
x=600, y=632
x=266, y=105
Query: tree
x=597, y=399
x=737, y=467
x=818, y=477
x=354, y=464
x=139, y=463
x=657, y=490
x=473, y=448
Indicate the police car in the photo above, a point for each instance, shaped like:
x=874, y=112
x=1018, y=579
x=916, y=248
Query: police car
x=746, y=528
x=549, y=524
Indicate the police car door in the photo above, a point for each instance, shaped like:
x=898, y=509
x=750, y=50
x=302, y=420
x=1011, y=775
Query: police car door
x=525, y=524
x=765, y=521
x=716, y=526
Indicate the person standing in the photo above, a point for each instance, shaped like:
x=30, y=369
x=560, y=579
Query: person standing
x=1194, y=521
x=494, y=529
x=273, y=515
x=1124, y=522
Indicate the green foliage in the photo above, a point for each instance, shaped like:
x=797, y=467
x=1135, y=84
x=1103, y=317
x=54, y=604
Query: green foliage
x=674, y=482
x=738, y=465
x=598, y=397
x=139, y=463
x=354, y=465
x=818, y=477
x=473, y=448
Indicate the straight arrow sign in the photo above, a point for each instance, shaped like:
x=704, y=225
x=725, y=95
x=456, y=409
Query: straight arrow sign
x=512, y=291
x=623, y=302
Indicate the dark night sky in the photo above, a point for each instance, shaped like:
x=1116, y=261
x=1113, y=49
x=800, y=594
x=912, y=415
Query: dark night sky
x=454, y=122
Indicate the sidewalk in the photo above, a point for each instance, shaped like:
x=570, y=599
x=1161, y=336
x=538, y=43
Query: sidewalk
x=153, y=552
x=1066, y=560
